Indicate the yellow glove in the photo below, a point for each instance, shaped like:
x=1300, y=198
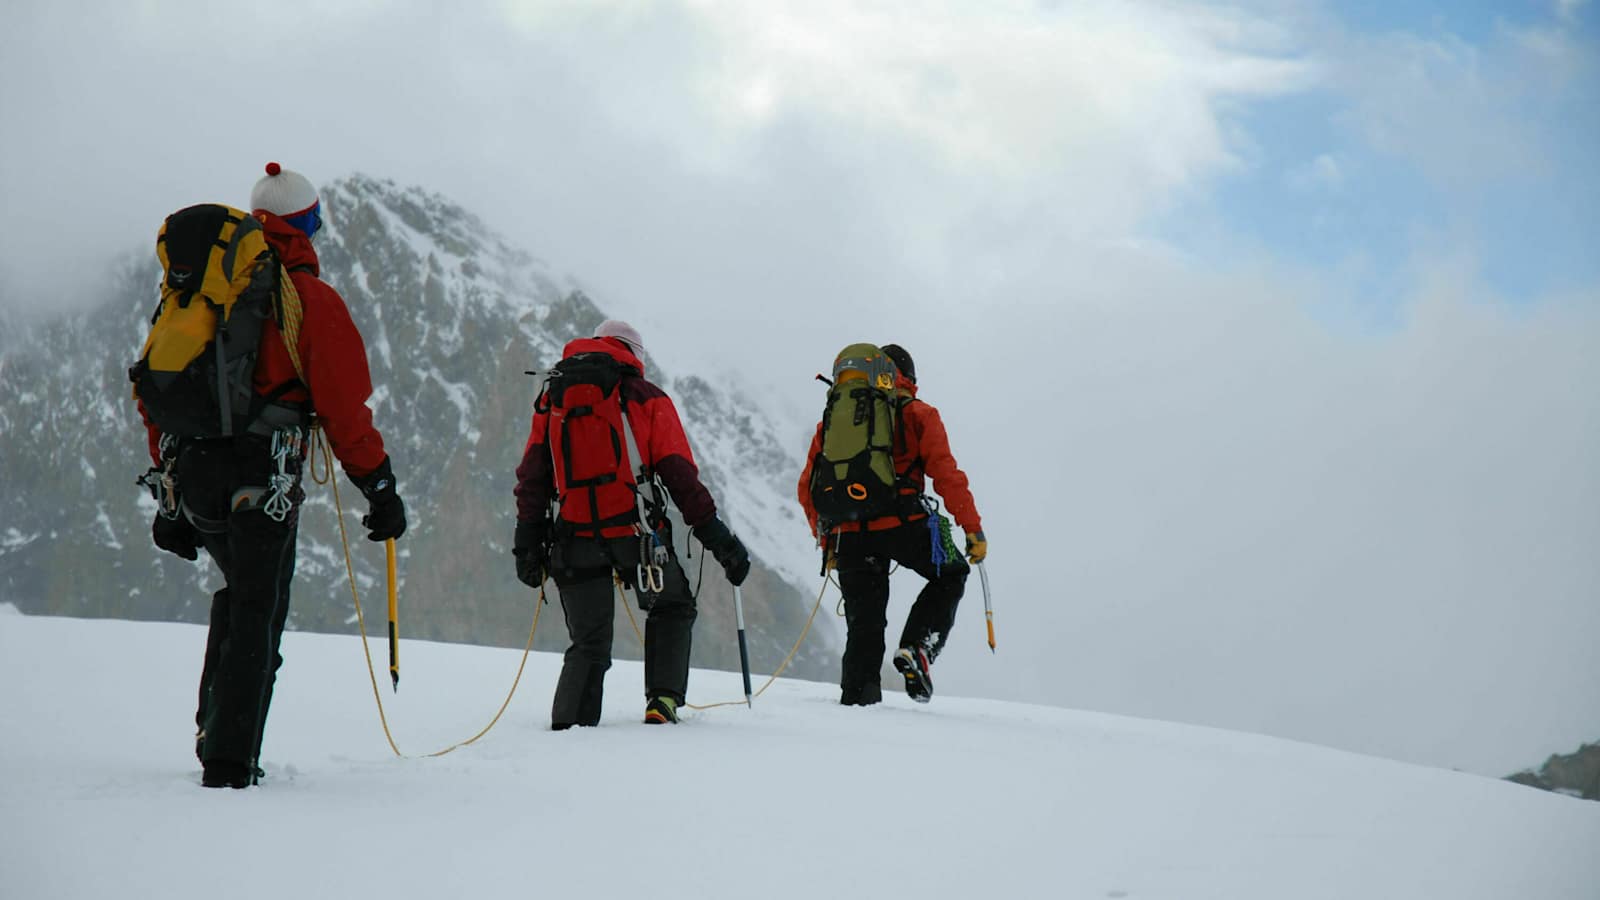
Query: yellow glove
x=977, y=547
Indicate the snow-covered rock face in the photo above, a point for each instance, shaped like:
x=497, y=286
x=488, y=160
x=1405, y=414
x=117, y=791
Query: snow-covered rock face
x=453, y=317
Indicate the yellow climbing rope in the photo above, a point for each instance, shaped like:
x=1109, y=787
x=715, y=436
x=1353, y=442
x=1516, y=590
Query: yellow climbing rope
x=321, y=443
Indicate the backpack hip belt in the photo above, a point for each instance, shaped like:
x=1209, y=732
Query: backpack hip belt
x=276, y=416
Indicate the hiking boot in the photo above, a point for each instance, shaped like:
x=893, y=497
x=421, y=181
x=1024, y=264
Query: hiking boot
x=862, y=695
x=912, y=662
x=661, y=711
x=227, y=773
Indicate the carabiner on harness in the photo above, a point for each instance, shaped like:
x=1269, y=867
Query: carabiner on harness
x=288, y=444
x=161, y=483
x=653, y=556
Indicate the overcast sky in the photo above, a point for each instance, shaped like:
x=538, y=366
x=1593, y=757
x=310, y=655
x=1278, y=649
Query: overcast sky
x=1266, y=332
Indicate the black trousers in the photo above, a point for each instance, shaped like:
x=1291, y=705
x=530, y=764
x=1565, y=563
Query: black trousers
x=223, y=484
x=582, y=568
x=864, y=560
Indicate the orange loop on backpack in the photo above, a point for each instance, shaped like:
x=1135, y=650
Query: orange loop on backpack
x=857, y=491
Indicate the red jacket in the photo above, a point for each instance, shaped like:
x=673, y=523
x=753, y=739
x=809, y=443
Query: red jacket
x=921, y=449
x=331, y=349
x=656, y=428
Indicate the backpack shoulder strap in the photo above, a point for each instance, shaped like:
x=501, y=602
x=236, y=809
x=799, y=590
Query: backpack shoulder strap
x=643, y=473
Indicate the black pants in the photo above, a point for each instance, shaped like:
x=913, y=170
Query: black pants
x=864, y=559
x=582, y=568
x=223, y=484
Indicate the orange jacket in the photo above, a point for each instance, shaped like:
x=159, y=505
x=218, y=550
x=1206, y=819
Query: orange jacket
x=921, y=449
x=331, y=349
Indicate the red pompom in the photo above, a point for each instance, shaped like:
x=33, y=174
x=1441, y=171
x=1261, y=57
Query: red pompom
x=273, y=168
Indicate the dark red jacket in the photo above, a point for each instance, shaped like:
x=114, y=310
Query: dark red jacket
x=921, y=449
x=331, y=350
x=656, y=428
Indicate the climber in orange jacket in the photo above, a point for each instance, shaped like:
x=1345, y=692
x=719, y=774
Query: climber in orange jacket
x=862, y=552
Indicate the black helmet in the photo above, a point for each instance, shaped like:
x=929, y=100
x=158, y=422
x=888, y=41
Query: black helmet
x=902, y=361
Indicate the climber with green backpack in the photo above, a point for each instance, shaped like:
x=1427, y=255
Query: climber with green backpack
x=863, y=494
x=246, y=348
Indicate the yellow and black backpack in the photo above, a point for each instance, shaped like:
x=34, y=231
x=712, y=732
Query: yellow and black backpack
x=221, y=282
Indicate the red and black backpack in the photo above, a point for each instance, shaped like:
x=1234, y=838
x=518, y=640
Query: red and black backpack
x=591, y=446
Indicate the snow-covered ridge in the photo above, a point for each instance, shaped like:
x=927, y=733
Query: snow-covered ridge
x=966, y=798
x=472, y=263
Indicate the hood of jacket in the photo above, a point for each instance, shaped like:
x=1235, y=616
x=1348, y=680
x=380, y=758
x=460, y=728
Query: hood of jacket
x=610, y=346
x=291, y=244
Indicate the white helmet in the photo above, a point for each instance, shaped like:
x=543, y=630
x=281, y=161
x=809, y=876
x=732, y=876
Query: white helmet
x=622, y=331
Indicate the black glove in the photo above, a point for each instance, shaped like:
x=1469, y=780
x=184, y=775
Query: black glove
x=386, y=514
x=728, y=550
x=531, y=547
x=176, y=536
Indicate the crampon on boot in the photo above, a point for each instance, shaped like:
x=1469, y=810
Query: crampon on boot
x=912, y=662
x=661, y=711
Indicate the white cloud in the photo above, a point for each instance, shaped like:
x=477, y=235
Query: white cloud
x=1204, y=504
x=1466, y=114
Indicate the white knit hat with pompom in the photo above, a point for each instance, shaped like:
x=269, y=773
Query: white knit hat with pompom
x=283, y=193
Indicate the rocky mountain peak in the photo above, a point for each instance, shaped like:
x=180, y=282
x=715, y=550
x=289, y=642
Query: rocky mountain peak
x=453, y=317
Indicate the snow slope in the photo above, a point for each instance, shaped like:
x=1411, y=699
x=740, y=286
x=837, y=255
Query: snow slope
x=797, y=797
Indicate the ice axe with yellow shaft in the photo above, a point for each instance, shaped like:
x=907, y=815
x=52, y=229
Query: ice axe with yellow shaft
x=394, y=620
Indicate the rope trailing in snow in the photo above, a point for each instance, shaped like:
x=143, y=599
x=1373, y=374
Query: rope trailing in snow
x=623, y=598
x=361, y=623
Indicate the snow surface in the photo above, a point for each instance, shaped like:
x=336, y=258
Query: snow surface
x=797, y=797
